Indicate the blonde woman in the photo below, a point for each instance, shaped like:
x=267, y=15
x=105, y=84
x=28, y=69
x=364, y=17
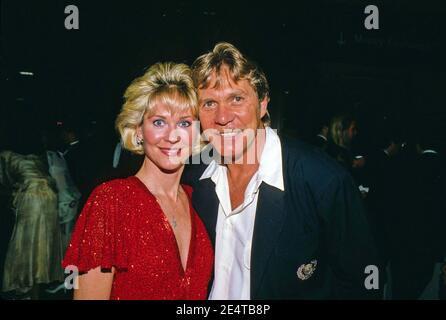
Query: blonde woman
x=343, y=129
x=139, y=237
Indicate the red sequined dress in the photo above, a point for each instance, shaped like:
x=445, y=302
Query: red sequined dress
x=122, y=226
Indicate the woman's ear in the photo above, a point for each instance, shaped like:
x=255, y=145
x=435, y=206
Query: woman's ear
x=139, y=131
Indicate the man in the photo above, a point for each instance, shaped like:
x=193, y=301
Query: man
x=286, y=220
x=421, y=223
x=321, y=139
x=384, y=201
x=343, y=130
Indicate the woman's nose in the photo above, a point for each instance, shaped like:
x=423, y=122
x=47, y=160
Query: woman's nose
x=173, y=135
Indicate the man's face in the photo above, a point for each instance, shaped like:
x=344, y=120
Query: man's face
x=394, y=149
x=351, y=133
x=230, y=114
x=352, y=130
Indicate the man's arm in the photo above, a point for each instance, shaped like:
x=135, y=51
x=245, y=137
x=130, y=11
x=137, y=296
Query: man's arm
x=350, y=244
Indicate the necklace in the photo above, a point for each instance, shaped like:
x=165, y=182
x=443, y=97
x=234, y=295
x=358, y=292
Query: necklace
x=172, y=220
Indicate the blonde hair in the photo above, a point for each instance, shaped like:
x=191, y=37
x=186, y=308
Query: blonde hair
x=168, y=83
x=225, y=54
x=339, y=125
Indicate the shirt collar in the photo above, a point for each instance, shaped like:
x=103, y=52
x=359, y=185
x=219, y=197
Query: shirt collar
x=74, y=143
x=322, y=136
x=210, y=170
x=270, y=169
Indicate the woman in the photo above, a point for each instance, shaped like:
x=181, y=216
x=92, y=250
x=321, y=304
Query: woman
x=139, y=237
x=35, y=249
x=342, y=132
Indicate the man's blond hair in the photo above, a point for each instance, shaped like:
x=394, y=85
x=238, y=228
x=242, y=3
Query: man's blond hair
x=240, y=68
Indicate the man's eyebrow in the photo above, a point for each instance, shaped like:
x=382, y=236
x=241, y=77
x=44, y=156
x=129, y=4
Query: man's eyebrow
x=237, y=91
x=205, y=100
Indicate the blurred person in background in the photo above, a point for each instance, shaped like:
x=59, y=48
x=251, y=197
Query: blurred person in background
x=35, y=249
x=419, y=235
x=321, y=139
x=343, y=130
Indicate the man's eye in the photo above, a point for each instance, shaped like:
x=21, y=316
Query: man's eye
x=208, y=104
x=158, y=123
x=238, y=99
x=184, y=124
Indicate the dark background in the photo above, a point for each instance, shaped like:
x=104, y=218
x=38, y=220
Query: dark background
x=318, y=56
x=319, y=59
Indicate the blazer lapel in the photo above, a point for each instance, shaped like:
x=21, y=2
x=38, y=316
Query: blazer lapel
x=270, y=216
x=205, y=202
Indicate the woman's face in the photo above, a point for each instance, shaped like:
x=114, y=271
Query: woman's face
x=167, y=136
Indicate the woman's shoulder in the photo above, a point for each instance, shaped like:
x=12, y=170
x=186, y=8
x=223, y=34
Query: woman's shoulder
x=115, y=187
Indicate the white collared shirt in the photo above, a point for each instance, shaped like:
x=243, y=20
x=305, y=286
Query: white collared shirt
x=429, y=151
x=234, y=230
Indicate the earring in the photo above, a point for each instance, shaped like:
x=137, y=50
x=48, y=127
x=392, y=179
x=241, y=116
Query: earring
x=139, y=141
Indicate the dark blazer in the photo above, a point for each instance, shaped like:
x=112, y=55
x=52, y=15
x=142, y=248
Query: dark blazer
x=319, y=217
x=428, y=207
x=319, y=142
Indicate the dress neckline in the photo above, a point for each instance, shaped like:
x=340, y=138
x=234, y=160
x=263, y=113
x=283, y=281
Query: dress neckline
x=171, y=232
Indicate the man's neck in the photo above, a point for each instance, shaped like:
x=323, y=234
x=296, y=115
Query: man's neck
x=250, y=164
x=242, y=172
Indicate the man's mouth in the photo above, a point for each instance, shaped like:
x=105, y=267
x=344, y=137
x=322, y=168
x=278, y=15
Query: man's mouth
x=230, y=133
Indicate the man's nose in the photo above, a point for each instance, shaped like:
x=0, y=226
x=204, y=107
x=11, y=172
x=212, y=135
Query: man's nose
x=223, y=116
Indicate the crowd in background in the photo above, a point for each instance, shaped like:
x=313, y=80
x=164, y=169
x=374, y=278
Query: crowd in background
x=403, y=189
x=44, y=185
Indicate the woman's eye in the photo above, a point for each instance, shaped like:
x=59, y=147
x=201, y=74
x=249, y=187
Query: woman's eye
x=158, y=123
x=184, y=124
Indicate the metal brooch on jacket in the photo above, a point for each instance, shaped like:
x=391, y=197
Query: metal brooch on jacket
x=305, y=271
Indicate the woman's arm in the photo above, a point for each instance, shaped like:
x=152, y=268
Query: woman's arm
x=94, y=285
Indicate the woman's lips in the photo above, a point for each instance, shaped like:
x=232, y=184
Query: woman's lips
x=171, y=152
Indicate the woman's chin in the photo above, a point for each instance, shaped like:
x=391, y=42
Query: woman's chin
x=170, y=166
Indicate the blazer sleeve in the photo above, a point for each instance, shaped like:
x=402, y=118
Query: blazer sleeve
x=349, y=240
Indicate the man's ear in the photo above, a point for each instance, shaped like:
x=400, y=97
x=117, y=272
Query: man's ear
x=264, y=106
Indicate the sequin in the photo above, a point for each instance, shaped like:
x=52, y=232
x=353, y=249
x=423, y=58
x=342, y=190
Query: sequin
x=115, y=230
